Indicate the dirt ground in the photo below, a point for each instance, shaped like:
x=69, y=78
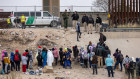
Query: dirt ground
x=31, y=38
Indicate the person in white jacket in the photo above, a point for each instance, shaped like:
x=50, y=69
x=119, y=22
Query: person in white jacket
x=24, y=62
x=50, y=58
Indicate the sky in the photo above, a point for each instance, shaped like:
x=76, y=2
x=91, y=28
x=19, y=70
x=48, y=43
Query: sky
x=39, y=3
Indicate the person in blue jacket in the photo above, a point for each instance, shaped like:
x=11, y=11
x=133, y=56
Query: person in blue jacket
x=67, y=58
x=44, y=56
x=109, y=63
x=12, y=61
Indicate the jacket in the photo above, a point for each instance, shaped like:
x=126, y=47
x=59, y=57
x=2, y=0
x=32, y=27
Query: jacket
x=109, y=61
x=31, y=54
x=75, y=17
x=24, y=60
x=100, y=50
x=65, y=16
x=16, y=20
x=12, y=57
x=55, y=53
x=94, y=60
x=90, y=20
x=98, y=20
x=6, y=60
x=2, y=55
x=85, y=19
x=44, y=54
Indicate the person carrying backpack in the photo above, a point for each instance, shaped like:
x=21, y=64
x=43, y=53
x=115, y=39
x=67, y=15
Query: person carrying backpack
x=12, y=61
x=119, y=60
x=17, y=59
x=126, y=63
x=85, y=57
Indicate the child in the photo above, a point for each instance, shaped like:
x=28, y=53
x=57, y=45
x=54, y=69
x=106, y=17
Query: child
x=67, y=58
x=24, y=62
x=12, y=61
x=6, y=62
x=78, y=31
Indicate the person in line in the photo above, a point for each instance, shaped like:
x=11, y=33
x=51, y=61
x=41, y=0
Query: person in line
x=23, y=20
x=115, y=57
x=65, y=18
x=109, y=63
x=102, y=38
x=126, y=63
x=75, y=18
x=119, y=60
x=137, y=68
x=105, y=53
x=31, y=59
x=81, y=56
x=76, y=51
x=17, y=59
x=90, y=44
x=50, y=58
x=39, y=59
x=94, y=63
x=24, y=62
x=12, y=61
x=61, y=56
x=6, y=62
x=3, y=65
x=131, y=68
x=17, y=22
x=78, y=31
x=44, y=56
x=67, y=59
x=98, y=23
x=85, y=57
x=56, y=55
x=90, y=24
x=90, y=55
x=28, y=56
x=85, y=22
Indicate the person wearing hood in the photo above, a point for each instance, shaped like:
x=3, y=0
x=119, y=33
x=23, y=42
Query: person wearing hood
x=50, y=58
x=61, y=56
x=17, y=59
x=90, y=55
x=3, y=65
x=56, y=55
x=39, y=59
x=81, y=56
x=28, y=56
x=24, y=62
x=94, y=62
x=115, y=57
x=6, y=62
x=39, y=51
x=12, y=61
x=78, y=31
x=85, y=57
x=109, y=63
x=67, y=58
x=131, y=68
x=76, y=51
x=44, y=56
x=31, y=59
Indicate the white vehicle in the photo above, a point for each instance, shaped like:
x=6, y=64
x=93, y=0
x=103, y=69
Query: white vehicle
x=37, y=18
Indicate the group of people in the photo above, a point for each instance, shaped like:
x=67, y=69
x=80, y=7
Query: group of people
x=87, y=22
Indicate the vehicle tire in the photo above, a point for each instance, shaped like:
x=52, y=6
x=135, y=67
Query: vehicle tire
x=54, y=24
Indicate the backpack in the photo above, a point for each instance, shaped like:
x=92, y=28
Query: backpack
x=127, y=65
x=121, y=57
x=85, y=56
x=16, y=57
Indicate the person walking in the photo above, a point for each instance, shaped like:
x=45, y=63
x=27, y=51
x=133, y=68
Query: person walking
x=78, y=31
x=44, y=56
x=90, y=24
x=65, y=18
x=56, y=55
x=24, y=62
x=12, y=61
x=94, y=61
x=17, y=59
x=75, y=18
x=85, y=22
x=109, y=63
x=23, y=20
x=98, y=23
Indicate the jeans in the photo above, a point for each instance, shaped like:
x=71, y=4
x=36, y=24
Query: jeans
x=117, y=64
x=6, y=67
x=17, y=65
x=94, y=68
x=67, y=62
x=89, y=63
x=12, y=65
x=109, y=68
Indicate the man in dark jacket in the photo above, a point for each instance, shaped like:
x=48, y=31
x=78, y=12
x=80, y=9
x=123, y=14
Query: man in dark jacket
x=98, y=23
x=17, y=21
x=90, y=24
x=76, y=52
x=75, y=18
x=85, y=21
x=61, y=56
x=65, y=18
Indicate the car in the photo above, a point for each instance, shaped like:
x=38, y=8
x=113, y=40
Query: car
x=38, y=18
